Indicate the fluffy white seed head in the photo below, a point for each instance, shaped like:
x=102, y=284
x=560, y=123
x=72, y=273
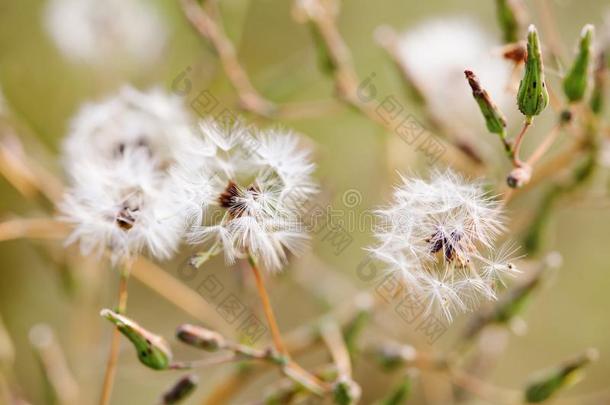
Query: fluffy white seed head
x=247, y=189
x=436, y=54
x=439, y=235
x=152, y=120
x=121, y=159
x=106, y=32
x=125, y=208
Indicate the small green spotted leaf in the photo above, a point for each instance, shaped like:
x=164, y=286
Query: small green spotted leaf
x=153, y=351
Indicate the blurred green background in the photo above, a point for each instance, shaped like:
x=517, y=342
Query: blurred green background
x=44, y=89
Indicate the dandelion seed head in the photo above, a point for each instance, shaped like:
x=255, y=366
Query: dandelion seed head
x=440, y=235
x=125, y=208
x=253, y=203
x=121, y=157
x=151, y=121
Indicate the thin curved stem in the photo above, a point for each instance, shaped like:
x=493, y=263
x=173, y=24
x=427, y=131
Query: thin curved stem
x=292, y=369
x=210, y=361
x=113, y=355
x=214, y=32
x=519, y=140
x=267, y=308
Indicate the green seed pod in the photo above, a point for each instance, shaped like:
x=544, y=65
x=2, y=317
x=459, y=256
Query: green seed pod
x=494, y=119
x=153, y=351
x=560, y=377
x=180, y=390
x=577, y=79
x=533, y=97
x=509, y=14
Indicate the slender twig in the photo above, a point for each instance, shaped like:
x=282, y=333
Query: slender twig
x=553, y=166
x=301, y=340
x=148, y=273
x=53, y=362
x=518, y=141
x=544, y=146
x=292, y=369
x=206, y=20
x=177, y=293
x=210, y=361
x=33, y=228
x=331, y=334
x=23, y=171
x=214, y=32
x=267, y=308
x=115, y=344
x=345, y=76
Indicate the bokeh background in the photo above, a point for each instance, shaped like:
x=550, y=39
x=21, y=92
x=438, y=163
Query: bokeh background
x=44, y=89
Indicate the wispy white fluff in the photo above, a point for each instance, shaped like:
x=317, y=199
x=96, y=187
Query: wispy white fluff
x=108, y=32
x=125, y=208
x=440, y=235
x=248, y=188
x=121, y=159
x=131, y=119
x=437, y=52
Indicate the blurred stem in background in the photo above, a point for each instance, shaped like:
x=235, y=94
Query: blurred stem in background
x=115, y=344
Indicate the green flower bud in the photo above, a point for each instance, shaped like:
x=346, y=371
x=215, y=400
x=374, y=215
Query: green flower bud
x=509, y=14
x=560, y=377
x=494, y=119
x=180, y=390
x=577, y=79
x=153, y=351
x=201, y=338
x=533, y=97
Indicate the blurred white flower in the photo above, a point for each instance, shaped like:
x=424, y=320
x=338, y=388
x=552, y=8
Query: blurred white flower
x=248, y=188
x=121, y=158
x=108, y=32
x=435, y=233
x=437, y=52
x=125, y=207
x=131, y=119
